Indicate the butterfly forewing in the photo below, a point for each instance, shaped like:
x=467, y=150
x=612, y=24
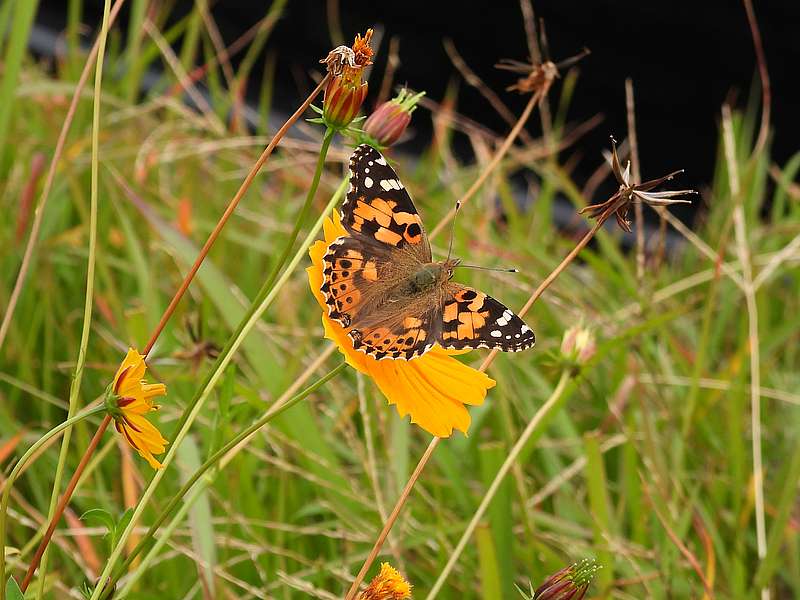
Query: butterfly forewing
x=472, y=319
x=379, y=207
x=366, y=276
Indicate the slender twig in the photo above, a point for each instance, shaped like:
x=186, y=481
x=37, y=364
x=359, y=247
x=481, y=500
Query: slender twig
x=188, y=279
x=687, y=554
x=636, y=178
x=510, y=460
x=376, y=548
x=27, y=257
x=17, y=471
x=748, y=289
x=229, y=211
x=264, y=298
x=763, y=74
x=77, y=379
x=472, y=79
x=65, y=500
x=435, y=441
x=489, y=169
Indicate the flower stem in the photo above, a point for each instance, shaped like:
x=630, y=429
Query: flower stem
x=9, y=484
x=77, y=379
x=263, y=300
x=387, y=527
x=56, y=515
x=216, y=457
x=228, y=212
x=541, y=417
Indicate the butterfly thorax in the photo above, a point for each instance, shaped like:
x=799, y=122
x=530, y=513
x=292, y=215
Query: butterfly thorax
x=427, y=277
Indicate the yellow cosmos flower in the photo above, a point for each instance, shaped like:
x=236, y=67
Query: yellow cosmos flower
x=128, y=400
x=387, y=585
x=432, y=388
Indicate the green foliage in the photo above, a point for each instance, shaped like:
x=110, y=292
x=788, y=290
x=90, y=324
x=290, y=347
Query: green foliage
x=652, y=445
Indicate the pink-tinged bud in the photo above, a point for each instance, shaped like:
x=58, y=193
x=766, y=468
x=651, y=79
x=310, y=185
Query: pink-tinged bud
x=343, y=98
x=390, y=119
x=578, y=345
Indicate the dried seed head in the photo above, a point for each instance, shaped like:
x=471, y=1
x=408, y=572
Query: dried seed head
x=630, y=192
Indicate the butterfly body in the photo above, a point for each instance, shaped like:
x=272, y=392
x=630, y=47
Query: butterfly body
x=382, y=285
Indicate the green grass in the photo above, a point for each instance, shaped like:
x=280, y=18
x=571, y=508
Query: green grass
x=654, y=435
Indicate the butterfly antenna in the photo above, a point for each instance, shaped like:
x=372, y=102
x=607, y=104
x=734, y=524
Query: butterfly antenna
x=479, y=268
x=453, y=230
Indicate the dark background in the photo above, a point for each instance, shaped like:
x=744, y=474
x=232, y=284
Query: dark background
x=685, y=58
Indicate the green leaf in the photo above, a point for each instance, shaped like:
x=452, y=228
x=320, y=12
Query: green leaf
x=102, y=516
x=12, y=590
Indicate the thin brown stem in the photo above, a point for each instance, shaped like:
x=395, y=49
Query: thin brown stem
x=27, y=257
x=228, y=212
x=763, y=75
x=387, y=527
x=166, y=316
x=637, y=178
x=62, y=504
x=501, y=152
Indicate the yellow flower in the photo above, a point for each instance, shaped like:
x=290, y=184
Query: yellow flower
x=387, y=585
x=432, y=388
x=128, y=400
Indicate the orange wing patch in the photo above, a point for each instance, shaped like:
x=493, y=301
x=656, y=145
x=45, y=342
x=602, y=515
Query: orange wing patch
x=380, y=219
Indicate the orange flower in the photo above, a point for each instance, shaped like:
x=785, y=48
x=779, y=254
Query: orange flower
x=387, y=585
x=128, y=399
x=432, y=388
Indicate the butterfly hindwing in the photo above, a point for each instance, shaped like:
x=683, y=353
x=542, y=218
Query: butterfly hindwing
x=350, y=269
x=472, y=319
x=378, y=206
x=404, y=338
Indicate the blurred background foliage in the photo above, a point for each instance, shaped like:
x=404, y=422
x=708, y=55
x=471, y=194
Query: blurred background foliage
x=647, y=467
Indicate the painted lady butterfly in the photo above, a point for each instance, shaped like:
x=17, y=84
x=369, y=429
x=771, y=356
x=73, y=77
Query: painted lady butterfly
x=381, y=284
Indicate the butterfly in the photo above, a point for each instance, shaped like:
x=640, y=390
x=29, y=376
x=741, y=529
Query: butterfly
x=382, y=285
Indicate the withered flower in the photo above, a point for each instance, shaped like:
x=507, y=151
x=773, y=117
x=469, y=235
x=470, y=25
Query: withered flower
x=570, y=583
x=346, y=91
x=629, y=193
x=390, y=120
x=539, y=76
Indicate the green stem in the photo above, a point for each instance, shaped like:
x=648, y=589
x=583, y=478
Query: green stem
x=75, y=387
x=539, y=420
x=264, y=298
x=218, y=456
x=16, y=472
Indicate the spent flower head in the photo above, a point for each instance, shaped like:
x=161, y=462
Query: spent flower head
x=346, y=91
x=128, y=399
x=387, y=585
x=389, y=121
x=630, y=192
x=538, y=75
x=570, y=583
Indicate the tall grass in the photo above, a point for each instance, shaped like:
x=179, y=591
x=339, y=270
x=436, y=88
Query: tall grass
x=647, y=466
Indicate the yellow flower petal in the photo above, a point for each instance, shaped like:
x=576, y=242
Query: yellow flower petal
x=130, y=372
x=432, y=388
x=134, y=399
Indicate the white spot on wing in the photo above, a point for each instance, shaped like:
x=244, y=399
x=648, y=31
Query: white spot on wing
x=496, y=334
x=368, y=182
x=380, y=161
